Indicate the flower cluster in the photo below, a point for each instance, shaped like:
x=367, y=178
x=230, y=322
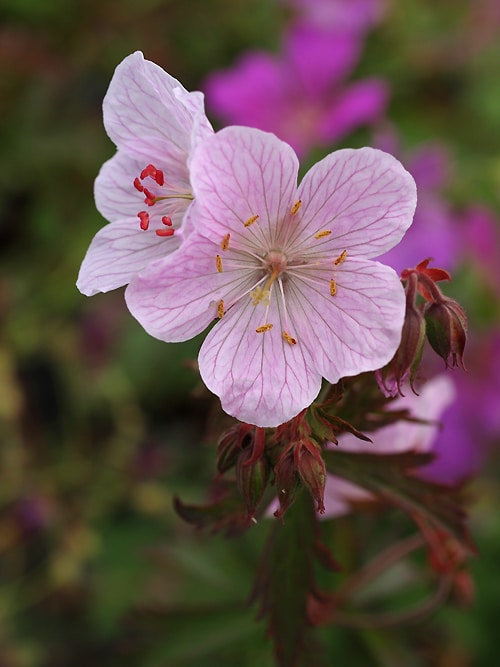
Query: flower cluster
x=284, y=269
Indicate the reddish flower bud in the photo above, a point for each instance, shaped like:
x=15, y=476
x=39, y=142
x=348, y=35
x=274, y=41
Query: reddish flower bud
x=447, y=330
x=252, y=477
x=230, y=445
x=288, y=483
x=405, y=362
x=312, y=471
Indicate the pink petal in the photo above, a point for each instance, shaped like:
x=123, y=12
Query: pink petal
x=356, y=330
x=360, y=103
x=363, y=196
x=177, y=297
x=239, y=173
x=403, y=436
x=320, y=59
x=119, y=251
x=260, y=378
x=149, y=114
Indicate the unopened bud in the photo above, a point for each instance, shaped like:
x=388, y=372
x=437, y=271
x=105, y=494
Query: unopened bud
x=312, y=471
x=447, y=330
x=288, y=483
x=230, y=445
x=405, y=362
x=252, y=477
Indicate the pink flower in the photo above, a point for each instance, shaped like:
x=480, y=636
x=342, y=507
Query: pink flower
x=284, y=271
x=345, y=15
x=302, y=95
x=402, y=436
x=144, y=189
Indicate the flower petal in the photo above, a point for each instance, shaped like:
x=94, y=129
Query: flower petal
x=356, y=330
x=149, y=114
x=434, y=398
x=363, y=196
x=239, y=173
x=177, y=297
x=260, y=378
x=118, y=252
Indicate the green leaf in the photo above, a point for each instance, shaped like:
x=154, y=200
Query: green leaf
x=285, y=583
x=390, y=477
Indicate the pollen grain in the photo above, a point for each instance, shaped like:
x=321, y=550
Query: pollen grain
x=340, y=258
x=218, y=263
x=264, y=328
x=325, y=232
x=251, y=220
x=289, y=339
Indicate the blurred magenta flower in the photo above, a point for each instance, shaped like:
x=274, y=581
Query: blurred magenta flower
x=480, y=237
x=341, y=15
x=472, y=423
x=300, y=95
x=285, y=271
x=402, y=436
x=144, y=189
x=435, y=230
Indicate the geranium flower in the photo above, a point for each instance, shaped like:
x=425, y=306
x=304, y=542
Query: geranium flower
x=342, y=15
x=436, y=396
x=284, y=271
x=144, y=189
x=302, y=94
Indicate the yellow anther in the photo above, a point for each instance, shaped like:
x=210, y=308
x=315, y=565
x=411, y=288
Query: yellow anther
x=260, y=295
x=264, y=328
x=220, y=309
x=333, y=287
x=251, y=220
x=218, y=263
x=289, y=339
x=225, y=242
x=325, y=232
x=340, y=258
x=296, y=206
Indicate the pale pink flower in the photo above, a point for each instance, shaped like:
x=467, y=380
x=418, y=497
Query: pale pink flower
x=283, y=270
x=144, y=189
x=402, y=436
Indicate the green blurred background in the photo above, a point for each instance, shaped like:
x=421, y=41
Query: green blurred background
x=101, y=425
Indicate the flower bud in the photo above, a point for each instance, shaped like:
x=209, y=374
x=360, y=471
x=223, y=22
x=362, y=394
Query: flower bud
x=312, y=471
x=230, y=445
x=252, y=477
x=288, y=483
x=447, y=330
x=405, y=362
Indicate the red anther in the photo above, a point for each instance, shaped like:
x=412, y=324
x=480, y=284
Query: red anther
x=149, y=197
x=138, y=185
x=159, y=177
x=167, y=220
x=150, y=170
x=144, y=219
x=165, y=232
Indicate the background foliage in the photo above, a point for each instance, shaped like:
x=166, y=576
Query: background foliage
x=101, y=425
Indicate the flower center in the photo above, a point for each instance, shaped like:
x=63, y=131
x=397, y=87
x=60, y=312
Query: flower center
x=155, y=190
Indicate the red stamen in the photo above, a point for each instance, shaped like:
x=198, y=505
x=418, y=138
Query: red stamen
x=167, y=220
x=165, y=232
x=144, y=219
x=138, y=185
x=150, y=170
x=159, y=177
x=149, y=197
